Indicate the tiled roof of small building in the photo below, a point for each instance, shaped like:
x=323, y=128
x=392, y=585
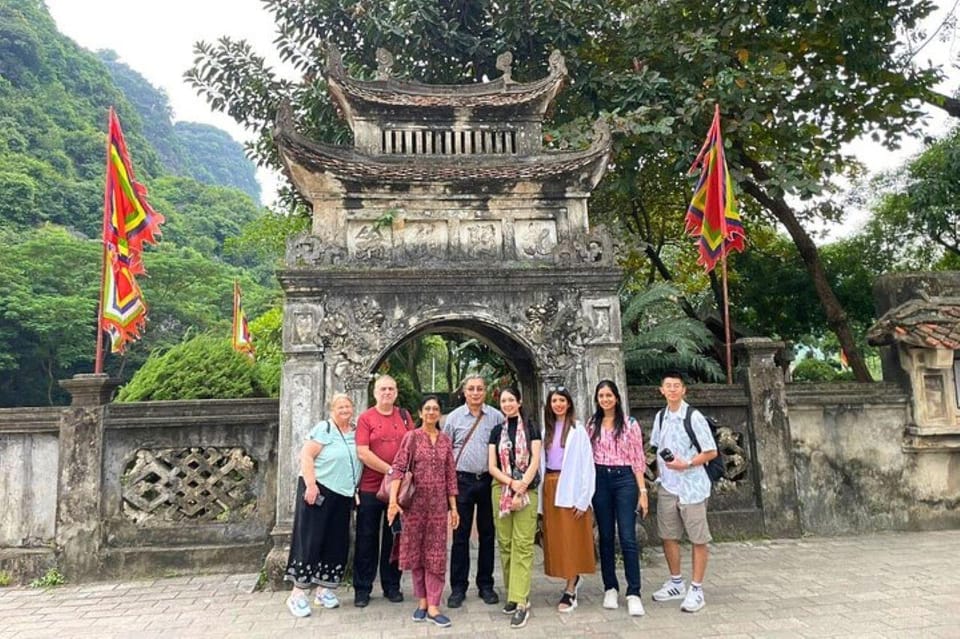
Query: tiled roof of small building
x=388, y=91
x=926, y=322
x=352, y=166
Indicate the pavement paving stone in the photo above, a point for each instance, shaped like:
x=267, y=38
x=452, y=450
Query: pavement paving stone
x=885, y=585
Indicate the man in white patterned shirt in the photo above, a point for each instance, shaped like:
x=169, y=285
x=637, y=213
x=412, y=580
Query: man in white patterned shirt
x=684, y=490
x=469, y=427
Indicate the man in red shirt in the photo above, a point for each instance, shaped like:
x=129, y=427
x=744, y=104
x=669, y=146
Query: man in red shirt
x=379, y=431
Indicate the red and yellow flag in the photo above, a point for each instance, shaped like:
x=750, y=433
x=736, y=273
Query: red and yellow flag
x=129, y=223
x=712, y=215
x=242, y=341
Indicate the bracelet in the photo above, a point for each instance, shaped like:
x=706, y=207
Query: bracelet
x=643, y=491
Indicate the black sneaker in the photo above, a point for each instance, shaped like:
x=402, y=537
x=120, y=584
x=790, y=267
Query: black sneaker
x=394, y=596
x=489, y=596
x=361, y=599
x=510, y=608
x=456, y=599
x=520, y=616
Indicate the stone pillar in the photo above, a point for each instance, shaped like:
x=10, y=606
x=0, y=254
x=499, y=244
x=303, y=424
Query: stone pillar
x=80, y=476
x=302, y=404
x=770, y=424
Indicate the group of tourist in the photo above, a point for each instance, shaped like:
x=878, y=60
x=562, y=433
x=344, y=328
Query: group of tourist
x=498, y=470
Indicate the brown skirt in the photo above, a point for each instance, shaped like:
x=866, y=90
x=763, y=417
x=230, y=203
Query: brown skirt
x=567, y=542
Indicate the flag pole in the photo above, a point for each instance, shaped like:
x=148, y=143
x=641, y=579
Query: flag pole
x=726, y=318
x=98, y=362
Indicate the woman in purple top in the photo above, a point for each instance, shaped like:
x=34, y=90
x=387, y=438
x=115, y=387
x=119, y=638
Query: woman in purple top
x=423, y=542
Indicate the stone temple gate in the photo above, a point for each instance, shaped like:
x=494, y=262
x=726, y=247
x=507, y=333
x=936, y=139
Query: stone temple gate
x=446, y=215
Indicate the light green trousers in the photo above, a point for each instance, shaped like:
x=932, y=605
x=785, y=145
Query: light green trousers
x=515, y=533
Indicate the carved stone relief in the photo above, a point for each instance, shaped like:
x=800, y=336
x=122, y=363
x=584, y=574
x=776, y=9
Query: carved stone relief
x=535, y=239
x=423, y=239
x=556, y=330
x=481, y=240
x=366, y=240
x=309, y=250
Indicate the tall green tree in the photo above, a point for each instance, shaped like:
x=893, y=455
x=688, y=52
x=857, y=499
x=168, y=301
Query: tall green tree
x=795, y=80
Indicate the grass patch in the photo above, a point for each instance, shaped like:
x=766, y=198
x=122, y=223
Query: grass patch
x=51, y=579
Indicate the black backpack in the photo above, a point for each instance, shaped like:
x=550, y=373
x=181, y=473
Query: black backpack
x=716, y=466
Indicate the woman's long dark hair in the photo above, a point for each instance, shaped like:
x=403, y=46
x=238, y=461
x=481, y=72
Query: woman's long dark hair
x=549, y=419
x=513, y=390
x=619, y=423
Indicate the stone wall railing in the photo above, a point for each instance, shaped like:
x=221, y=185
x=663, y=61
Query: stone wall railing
x=123, y=490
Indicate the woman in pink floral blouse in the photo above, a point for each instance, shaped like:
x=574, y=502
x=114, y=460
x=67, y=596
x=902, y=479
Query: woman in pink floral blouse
x=620, y=492
x=423, y=542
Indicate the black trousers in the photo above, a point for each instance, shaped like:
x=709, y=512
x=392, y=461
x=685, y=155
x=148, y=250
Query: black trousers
x=474, y=497
x=321, y=535
x=373, y=547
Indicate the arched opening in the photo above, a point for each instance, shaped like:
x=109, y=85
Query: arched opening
x=435, y=358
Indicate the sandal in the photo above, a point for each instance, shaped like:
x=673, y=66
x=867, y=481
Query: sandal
x=568, y=602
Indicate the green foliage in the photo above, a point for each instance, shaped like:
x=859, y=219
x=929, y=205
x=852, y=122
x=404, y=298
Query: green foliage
x=5, y=578
x=814, y=370
x=190, y=149
x=51, y=579
x=203, y=367
x=266, y=332
x=916, y=220
x=657, y=337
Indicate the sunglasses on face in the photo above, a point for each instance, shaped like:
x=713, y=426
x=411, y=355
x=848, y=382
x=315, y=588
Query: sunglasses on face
x=555, y=389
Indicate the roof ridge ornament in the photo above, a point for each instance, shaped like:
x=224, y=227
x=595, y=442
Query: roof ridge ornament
x=334, y=64
x=505, y=66
x=558, y=64
x=384, y=64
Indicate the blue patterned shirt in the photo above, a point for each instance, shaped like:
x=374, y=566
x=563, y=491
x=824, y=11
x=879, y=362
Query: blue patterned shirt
x=691, y=486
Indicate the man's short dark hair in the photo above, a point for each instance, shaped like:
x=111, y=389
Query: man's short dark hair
x=674, y=374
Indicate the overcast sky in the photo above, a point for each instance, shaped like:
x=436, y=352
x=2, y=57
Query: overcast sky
x=156, y=39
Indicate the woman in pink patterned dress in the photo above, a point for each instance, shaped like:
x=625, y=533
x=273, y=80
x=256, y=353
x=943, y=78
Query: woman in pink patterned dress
x=423, y=542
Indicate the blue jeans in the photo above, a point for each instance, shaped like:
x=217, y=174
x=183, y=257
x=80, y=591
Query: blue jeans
x=615, y=505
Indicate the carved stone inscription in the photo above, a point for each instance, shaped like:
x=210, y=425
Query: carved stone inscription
x=481, y=240
x=535, y=239
x=422, y=239
x=366, y=240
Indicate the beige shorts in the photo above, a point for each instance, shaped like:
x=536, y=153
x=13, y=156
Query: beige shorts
x=673, y=518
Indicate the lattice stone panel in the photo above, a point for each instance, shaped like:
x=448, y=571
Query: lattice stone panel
x=193, y=484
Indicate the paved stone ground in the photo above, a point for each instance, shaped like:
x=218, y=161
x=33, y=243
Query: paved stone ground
x=887, y=585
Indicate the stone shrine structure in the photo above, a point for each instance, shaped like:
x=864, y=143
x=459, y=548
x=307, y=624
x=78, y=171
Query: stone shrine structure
x=446, y=215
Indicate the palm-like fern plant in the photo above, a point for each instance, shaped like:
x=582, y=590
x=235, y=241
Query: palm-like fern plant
x=658, y=337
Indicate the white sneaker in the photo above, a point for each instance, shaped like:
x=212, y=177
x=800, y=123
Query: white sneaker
x=693, y=601
x=635, y=606
x=326, y=598
x=298, y=606
x=670, y=590
x=610, y=599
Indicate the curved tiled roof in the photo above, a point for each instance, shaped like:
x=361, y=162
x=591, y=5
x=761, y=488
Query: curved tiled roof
x=388, y=91
x=926, y=322
x=349, y=165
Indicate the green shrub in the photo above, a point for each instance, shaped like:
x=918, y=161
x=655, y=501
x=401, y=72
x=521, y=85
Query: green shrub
x=814, y=370
x=204, y=367
x=5, y=578
x=266, y=332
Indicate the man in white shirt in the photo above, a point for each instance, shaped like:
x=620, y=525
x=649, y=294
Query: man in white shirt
x=684, y=490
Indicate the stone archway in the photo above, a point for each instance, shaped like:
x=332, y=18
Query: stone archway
x=446, y=212
x=508, y=346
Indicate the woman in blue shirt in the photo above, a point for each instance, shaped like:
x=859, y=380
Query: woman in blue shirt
x=329, y=472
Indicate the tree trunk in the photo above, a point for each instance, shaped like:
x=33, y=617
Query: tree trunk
x=836, y=316
x=941, y=101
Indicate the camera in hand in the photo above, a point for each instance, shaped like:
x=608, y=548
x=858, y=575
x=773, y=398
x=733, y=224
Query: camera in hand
x=666, y=454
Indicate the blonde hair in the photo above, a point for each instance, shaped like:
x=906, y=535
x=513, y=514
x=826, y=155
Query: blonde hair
x=336, y=398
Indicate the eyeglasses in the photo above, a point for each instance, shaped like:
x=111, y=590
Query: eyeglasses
x=555, y=389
